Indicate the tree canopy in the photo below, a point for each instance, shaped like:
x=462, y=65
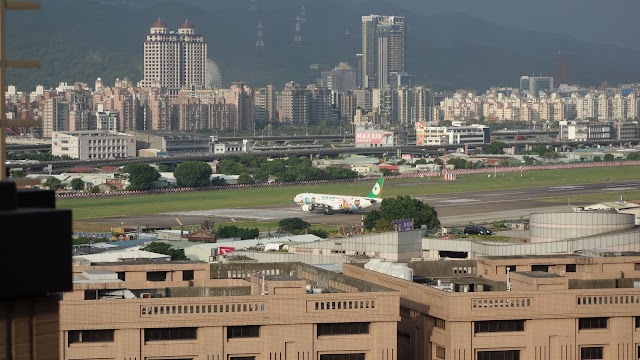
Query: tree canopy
x=232, y=231
x=245, y=178
x=166, y=249
x=53, y=183
x=399, y=208
x=141, y=176
x=193, y=174
x=496, y=148
x=77, y=184
x=293, y=225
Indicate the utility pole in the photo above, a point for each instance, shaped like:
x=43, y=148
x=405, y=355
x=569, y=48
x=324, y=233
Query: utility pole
x=4, y=64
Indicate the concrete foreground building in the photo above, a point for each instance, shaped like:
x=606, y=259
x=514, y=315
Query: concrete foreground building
x=560, y=307
x=189, y=310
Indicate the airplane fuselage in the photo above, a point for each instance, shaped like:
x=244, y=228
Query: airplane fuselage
x=346, y=203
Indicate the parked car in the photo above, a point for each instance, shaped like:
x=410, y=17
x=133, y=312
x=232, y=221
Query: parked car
x=477, y=230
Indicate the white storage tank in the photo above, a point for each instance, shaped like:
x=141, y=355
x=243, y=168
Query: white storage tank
x=373, y=264
x=385, y=267
x=402, y=271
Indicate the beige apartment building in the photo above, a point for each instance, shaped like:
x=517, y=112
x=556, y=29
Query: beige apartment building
x=192, y=310
x=565, y=307
x=174, y=59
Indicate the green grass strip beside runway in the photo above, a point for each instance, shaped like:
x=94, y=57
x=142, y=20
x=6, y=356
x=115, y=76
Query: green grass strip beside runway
x=243, y=198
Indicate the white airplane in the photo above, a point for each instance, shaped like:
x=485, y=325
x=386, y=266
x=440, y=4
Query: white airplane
x=347, y=203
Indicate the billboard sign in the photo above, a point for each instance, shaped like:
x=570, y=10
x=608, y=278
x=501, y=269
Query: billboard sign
x=374, y=137
x=402, y=225
x=224, y=250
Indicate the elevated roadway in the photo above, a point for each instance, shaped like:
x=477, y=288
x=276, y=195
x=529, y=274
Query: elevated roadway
x=63, y=165
x=302, y=138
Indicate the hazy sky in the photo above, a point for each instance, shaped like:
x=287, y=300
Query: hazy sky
x=602, y=21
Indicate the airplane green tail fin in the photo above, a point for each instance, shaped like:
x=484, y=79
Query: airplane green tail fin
x=376, y=191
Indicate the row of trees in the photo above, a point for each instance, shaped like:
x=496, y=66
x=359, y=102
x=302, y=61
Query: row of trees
x=188, y=174
x=250, y=169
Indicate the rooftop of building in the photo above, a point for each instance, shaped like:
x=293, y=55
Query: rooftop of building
x=593, y=253
x=537, y=274
x=92, y=132
x=159, y=24
x=171, y=134
x=186, y=25
x=131, y=279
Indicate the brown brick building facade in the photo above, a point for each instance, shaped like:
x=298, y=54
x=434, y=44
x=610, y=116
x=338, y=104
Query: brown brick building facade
x=234, y=311
x=566, y=307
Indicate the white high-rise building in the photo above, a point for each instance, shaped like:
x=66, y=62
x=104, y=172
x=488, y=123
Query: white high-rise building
x=586, y=107
x=174, y=60
x=383, y=49
x=604, y=107
x=619, y=107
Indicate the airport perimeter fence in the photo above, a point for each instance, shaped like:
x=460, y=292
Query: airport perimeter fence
x=416, y=174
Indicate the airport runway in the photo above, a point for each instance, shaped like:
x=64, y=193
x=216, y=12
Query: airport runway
x=453, y=209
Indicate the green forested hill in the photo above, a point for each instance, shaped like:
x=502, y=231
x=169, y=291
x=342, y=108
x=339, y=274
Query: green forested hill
x=80, y=40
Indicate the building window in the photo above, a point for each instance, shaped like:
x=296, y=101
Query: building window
x=90, y=336
x=122, y=275
x=170, y=334
x=510, y=268
x=592, y=323
x=499, y=326
x=570, y=268
x=441, y=352
x=343, y=329
x=157, y=276
x=187, y=275
x=638, y=326
x=358, y=356
x=249, y=331
x=499, y=355
x=440, y=323
x=543, y=268
x=242, y=358
x=591, y=353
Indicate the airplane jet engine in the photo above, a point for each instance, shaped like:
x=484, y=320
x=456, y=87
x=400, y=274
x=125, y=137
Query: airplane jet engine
x=307, y=207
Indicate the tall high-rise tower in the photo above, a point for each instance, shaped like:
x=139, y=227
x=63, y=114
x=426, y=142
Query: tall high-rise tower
x=383, y=49
x=174, y=60
x=259, y=41
x=297, y=36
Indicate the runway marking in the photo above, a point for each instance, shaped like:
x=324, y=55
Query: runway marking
x=500, y=194
x=566, y=188
x=618, y=188
x=457, y=201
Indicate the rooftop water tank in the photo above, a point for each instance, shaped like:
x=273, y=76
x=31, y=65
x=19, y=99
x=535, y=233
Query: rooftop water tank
x=373, y=264
x=385, y=267
x=402, y=271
